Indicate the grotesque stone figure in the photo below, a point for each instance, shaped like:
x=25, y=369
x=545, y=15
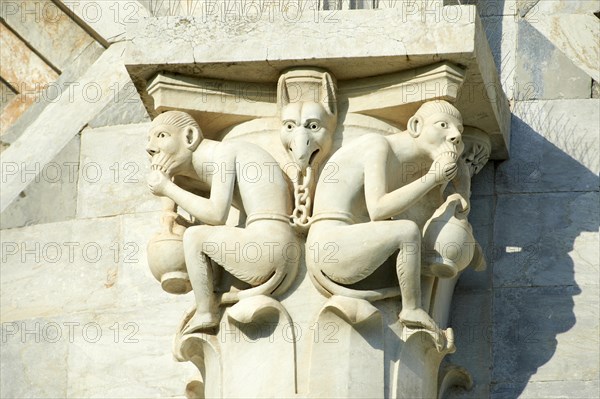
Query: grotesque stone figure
x=379, y=178
x=235, y=173
x=308, y=112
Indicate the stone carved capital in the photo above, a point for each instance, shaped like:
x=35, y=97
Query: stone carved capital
x=345, y=258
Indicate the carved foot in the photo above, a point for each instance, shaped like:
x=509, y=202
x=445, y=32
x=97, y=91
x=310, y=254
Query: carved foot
x=201, y=322
x=417, y=318
x=443, y=340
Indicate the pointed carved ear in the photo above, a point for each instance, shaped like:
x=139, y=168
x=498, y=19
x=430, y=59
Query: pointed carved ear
x=283, y=97
x=192, y=137
x=415, y=124
x=328, y=94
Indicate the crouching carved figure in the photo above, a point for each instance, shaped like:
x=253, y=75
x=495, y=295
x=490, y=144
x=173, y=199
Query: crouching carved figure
x=379, y=178
x=254, y=253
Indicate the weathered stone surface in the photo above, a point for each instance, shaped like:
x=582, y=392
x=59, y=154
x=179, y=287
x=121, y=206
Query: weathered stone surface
x=127, y=108
x=7, y=95
x=501, y=32
x=50, y=260
x=556, y=246
x=31, y=353
x=545, y=334
x=13, y=111
x=483, y=182
x=556, y=146
x=489, y=8
x=572, y=35
x=47, y=29
x=269, y=43
x=114, y=165
x=24, y=70
x=542, y=69
x=67, y=78
x=106, y=20
x=63, y=119
x=51, y=197
x=545, y=7
x=547, y=390
x=472, y=324
x=130, y=335
x=77, y=347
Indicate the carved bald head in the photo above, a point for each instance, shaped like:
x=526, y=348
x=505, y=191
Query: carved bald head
x=173, y=138
x=437, y=127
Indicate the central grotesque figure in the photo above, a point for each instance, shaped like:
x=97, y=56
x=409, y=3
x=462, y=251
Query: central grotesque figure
x=308, y=112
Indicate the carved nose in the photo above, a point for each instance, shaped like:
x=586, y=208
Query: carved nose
x=302, y=147
x=454, y=138
x=151, y=151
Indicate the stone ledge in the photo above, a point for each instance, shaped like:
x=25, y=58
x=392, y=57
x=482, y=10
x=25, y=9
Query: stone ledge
x=358, y=44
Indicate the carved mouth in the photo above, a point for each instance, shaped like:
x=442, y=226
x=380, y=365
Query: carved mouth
x=161, y=162
x=313, y=156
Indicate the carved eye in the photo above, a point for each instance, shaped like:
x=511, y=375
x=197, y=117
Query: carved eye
x=313, y=126
x=289, y=126
x=161, y=135
x=443, y=125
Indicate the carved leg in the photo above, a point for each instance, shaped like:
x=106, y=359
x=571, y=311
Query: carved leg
x=201, y=278
x=408, y=267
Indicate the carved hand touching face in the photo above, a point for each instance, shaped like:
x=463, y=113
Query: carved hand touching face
x=170, y=147
x=437, y=133
x=444, y=167
x=158, y=182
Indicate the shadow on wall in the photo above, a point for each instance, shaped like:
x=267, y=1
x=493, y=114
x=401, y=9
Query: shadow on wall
x=547, y=201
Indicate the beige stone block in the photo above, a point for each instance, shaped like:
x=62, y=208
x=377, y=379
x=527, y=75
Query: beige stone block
x=7, y=95
x=374, y=44
x=47, y=29
x=113, y=169
x=51, y=197
x=127, y=354
x=59, y=268
x=70, y=75
x=14, y=109
x=547, y=7
x=63, y=119
x=542, y=68
x=33, y=355
x=575, y=35
x=106, y=20
x=555, y=147
x=24, y=70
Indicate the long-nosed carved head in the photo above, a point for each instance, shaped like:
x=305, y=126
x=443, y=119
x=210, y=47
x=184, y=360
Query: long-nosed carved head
x=308, y=111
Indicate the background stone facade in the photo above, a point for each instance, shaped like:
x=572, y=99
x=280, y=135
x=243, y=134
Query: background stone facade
x=83, y=317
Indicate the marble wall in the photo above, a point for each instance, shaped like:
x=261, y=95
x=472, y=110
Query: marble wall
x=81, y=315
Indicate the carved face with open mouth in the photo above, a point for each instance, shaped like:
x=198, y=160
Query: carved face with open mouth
x=437, y=128
x=307, y=133
x=308, y=126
